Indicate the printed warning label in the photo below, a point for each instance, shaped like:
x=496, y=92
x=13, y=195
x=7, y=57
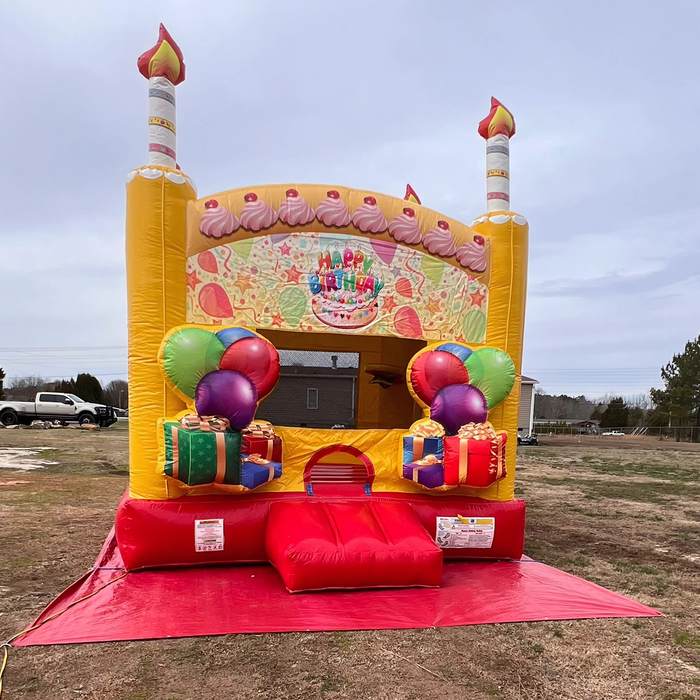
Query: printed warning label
x=209, y=535
x=465, y=533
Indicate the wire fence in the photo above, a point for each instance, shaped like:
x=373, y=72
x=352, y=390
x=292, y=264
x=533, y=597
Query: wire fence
x=673, y=433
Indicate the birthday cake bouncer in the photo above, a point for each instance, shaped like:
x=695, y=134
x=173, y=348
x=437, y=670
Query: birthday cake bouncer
x=219, y=285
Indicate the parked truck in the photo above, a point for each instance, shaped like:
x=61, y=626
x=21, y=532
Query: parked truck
x=52, y=406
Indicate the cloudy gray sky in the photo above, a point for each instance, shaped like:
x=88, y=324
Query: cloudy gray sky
x=369, y=94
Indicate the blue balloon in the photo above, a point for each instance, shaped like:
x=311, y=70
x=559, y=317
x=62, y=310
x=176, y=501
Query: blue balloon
x=458, y=350
x=228, y=336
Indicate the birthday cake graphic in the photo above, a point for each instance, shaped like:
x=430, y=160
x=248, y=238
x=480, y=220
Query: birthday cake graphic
x=344, y=292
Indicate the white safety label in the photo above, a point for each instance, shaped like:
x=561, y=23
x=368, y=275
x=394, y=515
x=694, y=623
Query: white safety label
x=465, y=533
x=209, y=535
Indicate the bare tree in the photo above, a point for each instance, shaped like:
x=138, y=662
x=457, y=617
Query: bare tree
x=25, y=388
x=117, y=393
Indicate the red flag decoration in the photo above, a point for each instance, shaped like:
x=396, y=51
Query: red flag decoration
x=411, y=195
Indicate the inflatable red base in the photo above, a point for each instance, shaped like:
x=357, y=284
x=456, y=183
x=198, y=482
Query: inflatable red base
x=276, y=527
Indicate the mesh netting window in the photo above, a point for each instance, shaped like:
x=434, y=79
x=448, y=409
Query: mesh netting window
x=315, y=358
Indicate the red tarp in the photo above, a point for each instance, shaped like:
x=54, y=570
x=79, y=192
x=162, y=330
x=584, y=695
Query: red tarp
x=188, y=602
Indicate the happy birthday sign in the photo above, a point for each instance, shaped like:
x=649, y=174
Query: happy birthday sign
x=348, y=273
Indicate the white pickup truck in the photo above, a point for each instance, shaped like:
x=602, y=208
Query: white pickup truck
x=53, y=406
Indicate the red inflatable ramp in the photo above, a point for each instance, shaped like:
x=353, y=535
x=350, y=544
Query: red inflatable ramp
x=317, y=545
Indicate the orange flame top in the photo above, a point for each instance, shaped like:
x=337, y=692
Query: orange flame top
x=163, y=60
x=498, y=121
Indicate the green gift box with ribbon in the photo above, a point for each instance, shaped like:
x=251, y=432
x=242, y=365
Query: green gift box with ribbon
x=201, y=458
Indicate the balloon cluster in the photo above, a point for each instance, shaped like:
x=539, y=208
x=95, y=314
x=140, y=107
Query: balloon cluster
x=226, y=373
x=461, y=385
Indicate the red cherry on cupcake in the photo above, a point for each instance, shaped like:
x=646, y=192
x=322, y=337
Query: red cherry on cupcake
x=333, y=194
x=443, y=225
x=251, y=197
x=479, y=240
x=292, y=193
x=409, y=212
x=370, y=200
x=211, y=204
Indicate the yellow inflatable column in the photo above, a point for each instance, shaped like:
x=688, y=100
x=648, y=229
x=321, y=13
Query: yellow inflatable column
x=156, y=288
x=506, y=323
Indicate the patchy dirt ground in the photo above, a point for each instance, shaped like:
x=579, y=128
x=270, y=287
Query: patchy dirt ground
x=625, y=515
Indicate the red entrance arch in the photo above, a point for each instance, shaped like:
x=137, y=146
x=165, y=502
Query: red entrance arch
x=357, y=468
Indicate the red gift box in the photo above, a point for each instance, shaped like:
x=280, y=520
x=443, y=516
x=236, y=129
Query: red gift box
x=476, y=463
x=269, y=448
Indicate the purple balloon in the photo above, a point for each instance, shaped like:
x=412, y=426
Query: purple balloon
x=229, y=394
x=458, y=404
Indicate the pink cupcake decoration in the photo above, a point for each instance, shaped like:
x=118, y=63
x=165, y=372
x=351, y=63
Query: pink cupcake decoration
x=217, y=221
x=439, y=240
x=405, y=227
x=333, y=211
x=295, y=210
x=473, y=255
x=257, y=215
x=369, y=217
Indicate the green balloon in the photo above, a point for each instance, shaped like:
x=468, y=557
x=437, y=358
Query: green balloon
x=293, y=304
x=242, y=248
x=474, y=326
x=188, y=355
x=492, y=372
x=433, y=268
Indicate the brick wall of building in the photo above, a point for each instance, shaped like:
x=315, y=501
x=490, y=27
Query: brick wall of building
x=287, y=405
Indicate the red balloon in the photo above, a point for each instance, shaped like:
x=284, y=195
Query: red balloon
x=256, y=359
x=214, y=301
x=434, y=370
x=207, y=261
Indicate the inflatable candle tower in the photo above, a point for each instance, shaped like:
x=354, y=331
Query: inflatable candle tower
x=157, y=197
x=508, y=233
x=498, y=128
x=164, y=68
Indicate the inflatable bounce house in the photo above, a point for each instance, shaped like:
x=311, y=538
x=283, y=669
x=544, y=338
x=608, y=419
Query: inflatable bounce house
x=415, y=499
x=219, y=284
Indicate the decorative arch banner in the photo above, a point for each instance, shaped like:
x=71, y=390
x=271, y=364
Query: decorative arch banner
x=337, y=283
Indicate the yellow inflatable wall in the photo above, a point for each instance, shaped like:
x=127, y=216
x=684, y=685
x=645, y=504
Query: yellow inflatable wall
x=161, y=209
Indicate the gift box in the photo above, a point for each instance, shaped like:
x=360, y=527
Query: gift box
x=196, y=457
x=269, y=448
x=206, y=424
x=256, y=471
x=415, y=448
x=476, y=463
x=430, y=474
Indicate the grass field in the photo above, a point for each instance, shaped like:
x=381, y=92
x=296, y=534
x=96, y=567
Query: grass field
x=624, y=515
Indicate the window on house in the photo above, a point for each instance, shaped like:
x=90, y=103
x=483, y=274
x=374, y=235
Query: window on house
x=312, y=399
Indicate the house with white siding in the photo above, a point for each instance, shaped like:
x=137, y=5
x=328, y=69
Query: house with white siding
x=526, y=414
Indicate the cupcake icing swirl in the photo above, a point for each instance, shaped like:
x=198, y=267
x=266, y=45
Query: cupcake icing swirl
x=405, y=227
x=295, y=210
x=217, y=221
x=473, y=254
x=333, y=211
x=439, y=240
x=369, y=217
x=257, y=215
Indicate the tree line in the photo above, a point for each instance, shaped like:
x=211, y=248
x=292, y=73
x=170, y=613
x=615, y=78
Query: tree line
x=676, y=405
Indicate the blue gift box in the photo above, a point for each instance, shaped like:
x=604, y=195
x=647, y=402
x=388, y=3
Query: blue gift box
x=415, y=448
x=430, y=476
x=254, y=475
